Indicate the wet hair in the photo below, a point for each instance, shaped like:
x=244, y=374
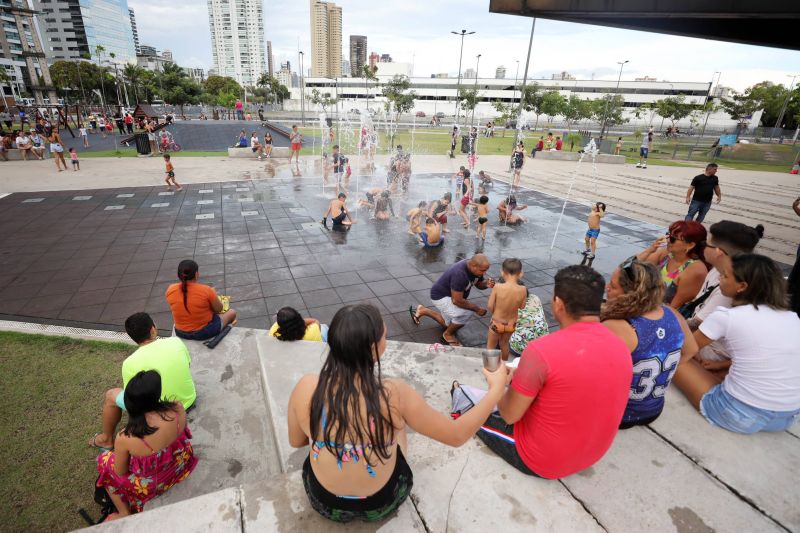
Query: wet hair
x=581, y=289
x=430, y=220
x=349, y=385
x=294, y=126
x=736, y=237
x=447, y=196
x=598, y=204
x=335, y=146
x=187, y=270
x=619, y=139
x=291, y=326
x=712, y=165
x=643, y=292
x=558, y=137
x=143, y=395
x=342, y=195
x=462, y=168
x=254, y=133
x=399, y=146
x=385, y=194
x=483, y=199
x=691, y=232
x=512, y=265
x=511, y=201
x=138, y=327
x=423, y=203
x=467, y=174
x=765, y=283
x=167, y=157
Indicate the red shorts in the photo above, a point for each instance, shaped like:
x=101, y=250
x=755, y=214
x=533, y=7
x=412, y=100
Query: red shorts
x=442, y=219
x=465, y=200
x=295, y=146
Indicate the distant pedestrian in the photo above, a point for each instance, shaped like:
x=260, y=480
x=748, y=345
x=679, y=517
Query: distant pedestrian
x=73, y=156
x=120, y=120
x=101, y=124
x=239, y=110
x=618, y=146
x=129, y=123
x=84, y=136
x=453, y=141
x=644, y=150
x=5, y=118
x=57, y=150
x=700, y=193
x=296, y=139
x=517, y=161
x=559, y=144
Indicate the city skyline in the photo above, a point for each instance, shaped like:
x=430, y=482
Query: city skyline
x=237, y=36
x=582, y=50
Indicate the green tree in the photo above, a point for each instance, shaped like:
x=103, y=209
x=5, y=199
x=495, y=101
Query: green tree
x=468, y=100
x=611, y=107
x=399, y=97
x=216, y=85
x=740, y=106
x=275, y=91
x=132, y=74
x=369, y=75
x=770, y=97
x=176, y=87
x=322, y=99
x=675, y=108
x=504, y=113
x=572, y=110
x=532, y=100
x=552, y=105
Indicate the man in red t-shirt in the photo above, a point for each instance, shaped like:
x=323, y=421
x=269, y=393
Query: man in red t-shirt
x=567, y=396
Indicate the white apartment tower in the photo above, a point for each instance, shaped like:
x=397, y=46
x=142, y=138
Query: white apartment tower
x=237, y=39
x=326, y=39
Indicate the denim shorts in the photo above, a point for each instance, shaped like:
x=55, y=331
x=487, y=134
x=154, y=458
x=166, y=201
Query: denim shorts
x=723, y=410
x=211, y=329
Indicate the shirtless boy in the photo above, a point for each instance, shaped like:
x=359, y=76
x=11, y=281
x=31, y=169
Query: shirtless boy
x=371, y=195
x=414, y=217
x=338, y=212
x=507, y=298
x=482, y=210
x=598, y=212
x=432, y=236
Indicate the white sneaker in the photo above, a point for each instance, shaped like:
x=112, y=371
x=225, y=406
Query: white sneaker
x=644, y=166
x=638, y=165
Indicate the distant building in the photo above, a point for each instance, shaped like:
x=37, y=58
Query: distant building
x=345, y=68
x=645, y=78
x=385, y=58
x=326, y=39
x=358, y=54
x=500, y=72
x=389, y=70
x=134, y=29
x=270, y=59
x=441, y=75
x=167, y=55
x=563, y=75
x=145, y=50
x=152, y=63
x=237, y=39
x=284, y=75
x=22, y=55
x=196, y=73
x=470, y=73
x=721, y=91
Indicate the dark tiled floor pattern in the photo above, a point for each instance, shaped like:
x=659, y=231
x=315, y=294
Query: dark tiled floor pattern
x=91, y=262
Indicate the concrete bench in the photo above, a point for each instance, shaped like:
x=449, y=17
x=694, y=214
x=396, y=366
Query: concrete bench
x=561, y=155
x=247, y=153
x=15, y=155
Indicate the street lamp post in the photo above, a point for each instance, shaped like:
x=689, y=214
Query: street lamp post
x=786, y=102
x=462, y=33
x=477, y=67
x=302, y=91
x=514, y=89
x=709, y=96
x=605, y=113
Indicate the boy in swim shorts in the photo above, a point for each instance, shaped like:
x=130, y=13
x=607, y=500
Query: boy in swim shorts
x=414, y=217
x=506, y=300
x=598, y=212
x=170, y=171
x=432, y=236
x=482, y=210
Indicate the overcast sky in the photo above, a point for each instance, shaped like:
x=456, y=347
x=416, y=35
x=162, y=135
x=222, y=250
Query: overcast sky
x=418, y=32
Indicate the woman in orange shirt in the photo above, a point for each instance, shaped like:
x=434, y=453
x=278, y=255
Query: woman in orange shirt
x=196, y=309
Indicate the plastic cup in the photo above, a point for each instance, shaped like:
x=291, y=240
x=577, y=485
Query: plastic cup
x=491, y=359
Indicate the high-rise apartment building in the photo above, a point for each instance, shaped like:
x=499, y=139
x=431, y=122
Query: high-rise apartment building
x=386, y=58
x=147, y=50
x=134, y=29
x=500, y=73
x=270, y=59
x=237, y=39
x=21, y=53
x=358, y=54
x=167, y=54
x=75, y=28
x=326, y=39
x=373, y=59
x=284, y=75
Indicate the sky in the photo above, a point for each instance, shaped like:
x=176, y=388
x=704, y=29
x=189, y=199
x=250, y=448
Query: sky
x=418, y=32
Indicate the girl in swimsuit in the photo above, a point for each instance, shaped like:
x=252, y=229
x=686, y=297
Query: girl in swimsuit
x=678, y=255
x=356, y=467
x=439, y=209
x=466, y=198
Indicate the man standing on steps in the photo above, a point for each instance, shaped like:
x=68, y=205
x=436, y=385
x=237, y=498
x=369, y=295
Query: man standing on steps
x=704, y=186
x=449, y=295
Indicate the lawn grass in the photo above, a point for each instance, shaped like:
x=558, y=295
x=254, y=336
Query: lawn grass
x=51, y=395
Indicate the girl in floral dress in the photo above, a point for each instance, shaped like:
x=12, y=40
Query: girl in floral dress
x=152, y=453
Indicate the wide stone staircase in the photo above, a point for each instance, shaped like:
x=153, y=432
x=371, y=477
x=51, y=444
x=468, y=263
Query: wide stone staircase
x=679, y=474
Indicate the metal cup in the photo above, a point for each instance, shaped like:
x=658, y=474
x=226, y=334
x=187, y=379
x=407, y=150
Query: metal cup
x=491, y=359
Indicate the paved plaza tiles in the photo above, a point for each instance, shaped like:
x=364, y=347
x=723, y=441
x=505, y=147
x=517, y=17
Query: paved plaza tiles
x=90, y=258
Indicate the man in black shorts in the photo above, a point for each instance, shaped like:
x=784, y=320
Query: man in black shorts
x=703, y=188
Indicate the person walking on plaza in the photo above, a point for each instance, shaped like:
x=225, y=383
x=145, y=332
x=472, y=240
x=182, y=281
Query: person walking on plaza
x=704, y=186
x=644, y=150
x=296, y=138
x=239, y=110
x=449, y=295
x=453, y=141
x=57, y=150
x=129, y=123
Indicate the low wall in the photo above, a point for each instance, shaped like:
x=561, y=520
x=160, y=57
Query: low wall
x=15, y=155
x=574, y=156
x=247, y=153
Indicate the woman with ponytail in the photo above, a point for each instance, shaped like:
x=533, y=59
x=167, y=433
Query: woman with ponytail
x=354, y=422
x=196, y=308
x=655, y=334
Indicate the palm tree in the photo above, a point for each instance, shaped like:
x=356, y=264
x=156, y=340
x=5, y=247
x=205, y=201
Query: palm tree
x=133, y=73
x=369, y=74
x=99, y=49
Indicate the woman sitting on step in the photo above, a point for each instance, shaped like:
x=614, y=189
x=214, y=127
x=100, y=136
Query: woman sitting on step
x=355, y=422
x=291, y=326
x=152, y=453
x=197, y=311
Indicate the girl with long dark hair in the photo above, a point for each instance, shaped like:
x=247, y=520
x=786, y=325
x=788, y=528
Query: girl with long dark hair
x=152, y=453
x=196, y=309
x=656, y=335
x=291, y=326
x=355, y=422
x=761, y=391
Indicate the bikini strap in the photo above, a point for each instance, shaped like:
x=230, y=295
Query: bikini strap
x=145, y=443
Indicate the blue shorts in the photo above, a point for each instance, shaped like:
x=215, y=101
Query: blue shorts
x=643, y=151
x=120, y=400
x=593, y=233
x=723, y=410
x=424, y=236
x=210, y=330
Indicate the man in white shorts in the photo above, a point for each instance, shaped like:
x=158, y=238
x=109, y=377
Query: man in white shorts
x=449, y=295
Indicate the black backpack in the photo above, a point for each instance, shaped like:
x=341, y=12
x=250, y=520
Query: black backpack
x=102, y=499
x=687, y=310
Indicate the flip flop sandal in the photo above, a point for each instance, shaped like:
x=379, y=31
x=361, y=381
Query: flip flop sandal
x=94, y=444
x=109, y=517
x=454, y=343
x=413, y=314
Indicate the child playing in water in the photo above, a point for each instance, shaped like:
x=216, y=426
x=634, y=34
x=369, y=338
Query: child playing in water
x=414, y=217
x=432, y=236
x=507, y=298
x=73, y=156
x=170, y=170
x=482, y=210
x=459, y=182
x=598, y=212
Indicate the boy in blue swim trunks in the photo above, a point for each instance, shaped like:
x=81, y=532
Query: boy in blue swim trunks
x=432, y=236
x=598, y=212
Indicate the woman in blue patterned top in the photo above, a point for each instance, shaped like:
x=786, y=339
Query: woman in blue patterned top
x=655, y=334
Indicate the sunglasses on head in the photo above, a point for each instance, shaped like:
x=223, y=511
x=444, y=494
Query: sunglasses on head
x=627, y=267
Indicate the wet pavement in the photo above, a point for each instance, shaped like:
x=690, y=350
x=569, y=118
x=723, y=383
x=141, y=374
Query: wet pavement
x=91, y=258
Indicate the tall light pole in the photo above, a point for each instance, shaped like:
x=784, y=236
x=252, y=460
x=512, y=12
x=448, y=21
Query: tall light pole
x=477, y=67
x=302, y=91
x=786, y=102
x=514, y=89
x=462, y=33
x=524, y=82
x=605, y=113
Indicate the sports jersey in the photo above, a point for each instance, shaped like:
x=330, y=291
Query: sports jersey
x=655, y=361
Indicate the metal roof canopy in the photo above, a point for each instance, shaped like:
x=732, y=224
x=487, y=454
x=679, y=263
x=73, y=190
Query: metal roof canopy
x=772, y=23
